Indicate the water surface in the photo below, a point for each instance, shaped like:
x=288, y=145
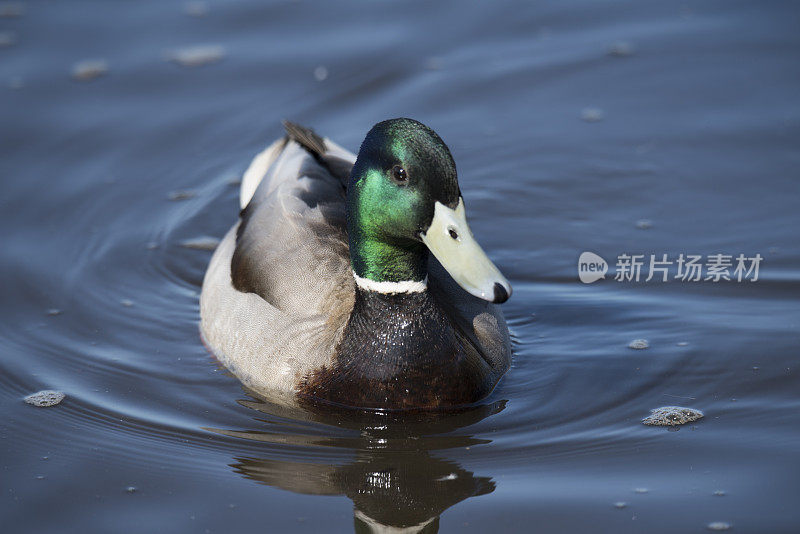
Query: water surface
x=103, y=179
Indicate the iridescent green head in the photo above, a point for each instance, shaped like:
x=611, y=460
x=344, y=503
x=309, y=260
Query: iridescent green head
x=403, y=200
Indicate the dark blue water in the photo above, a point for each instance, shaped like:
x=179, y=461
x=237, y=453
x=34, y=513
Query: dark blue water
x=698, y=136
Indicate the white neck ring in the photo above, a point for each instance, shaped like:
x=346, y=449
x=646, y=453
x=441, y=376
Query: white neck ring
x=406, y=286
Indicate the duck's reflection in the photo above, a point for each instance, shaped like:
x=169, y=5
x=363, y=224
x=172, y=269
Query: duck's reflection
x=382, y=462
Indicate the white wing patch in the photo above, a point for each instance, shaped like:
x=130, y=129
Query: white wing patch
x=257, y=169
x=263, y=161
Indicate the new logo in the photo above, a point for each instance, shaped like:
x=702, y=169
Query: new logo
x=591, y=267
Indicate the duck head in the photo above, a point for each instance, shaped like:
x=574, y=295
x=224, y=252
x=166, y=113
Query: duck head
x=403, y=200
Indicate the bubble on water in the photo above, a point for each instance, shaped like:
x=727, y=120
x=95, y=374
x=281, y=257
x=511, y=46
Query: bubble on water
x=16, y=82
x=131, y=489
x=434, y=63
x=641, y=491
x=644, y=224
x=620, y=505
x=321, y=73
x=196, y=56
x=639, y=344
x=151, y=245
x=200, y=243
x=7, y=39
x=195, y=8
x=592, y=115
x=719, y=493
x=718, y=526
x=181, y=195
x=682, y=343
x=10, y=10
x=672, y=416
x=126, y=302
x=644, y=148
x=52, y=312
x=89, y=69
x=621, y=49
x=45, y=398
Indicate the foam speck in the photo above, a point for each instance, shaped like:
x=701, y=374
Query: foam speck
x=89, y=69
x=592, y=115
x=7, y=39
x=196, y=56
x=181, y=195
x=621, y=49
x=45, y=398
x=200, y=243
x=321, y=73
x=672, y=416
x=11, y=9
x=639, y=344
x=195, y=8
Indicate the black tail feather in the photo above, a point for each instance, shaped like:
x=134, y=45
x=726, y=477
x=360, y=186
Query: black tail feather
x=307, y=138
x=315, y=145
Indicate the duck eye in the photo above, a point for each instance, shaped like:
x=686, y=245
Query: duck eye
x=399, y=174
x=453, y=233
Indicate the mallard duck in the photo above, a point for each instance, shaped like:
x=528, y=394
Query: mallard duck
x=325, y=290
